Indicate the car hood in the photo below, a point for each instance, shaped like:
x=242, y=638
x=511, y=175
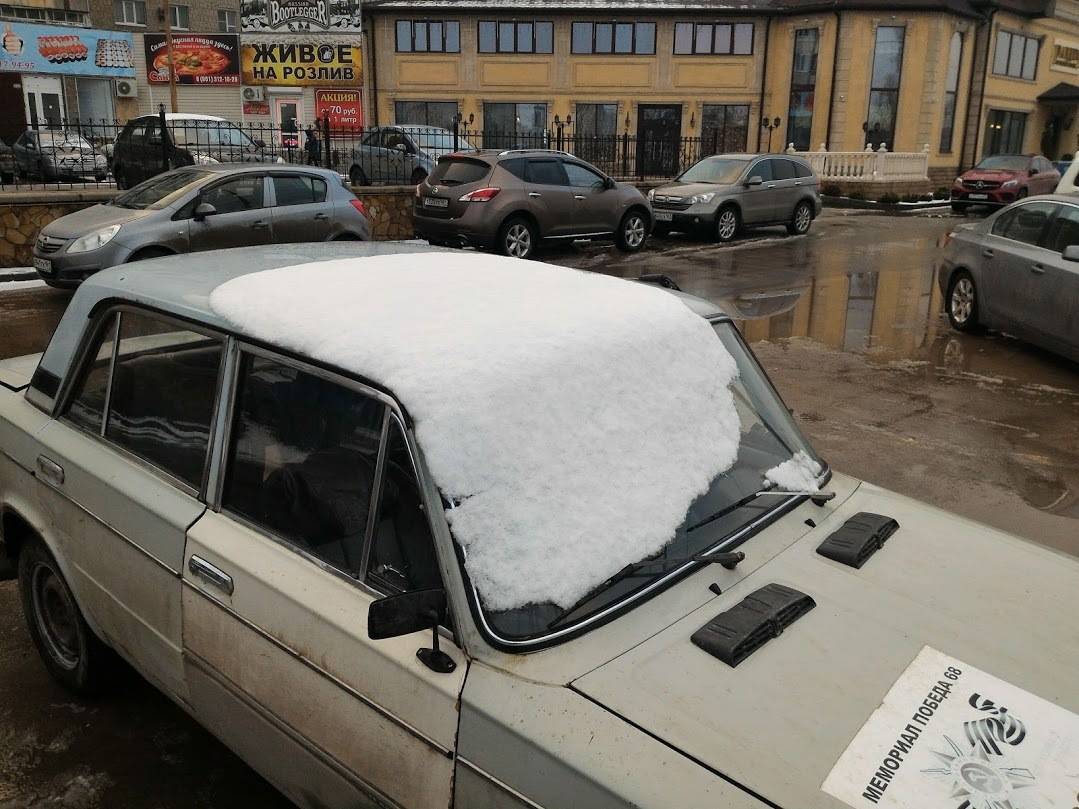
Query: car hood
x=687, y=190
x=946, y=591
x=86, y=221
x=994, y=175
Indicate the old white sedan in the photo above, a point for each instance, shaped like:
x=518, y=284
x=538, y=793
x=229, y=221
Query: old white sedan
x=416, y=528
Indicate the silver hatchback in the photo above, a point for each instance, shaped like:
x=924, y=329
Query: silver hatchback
x=725, y=193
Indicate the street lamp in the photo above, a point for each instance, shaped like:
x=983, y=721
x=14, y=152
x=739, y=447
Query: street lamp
x=459, y=119
x=560, y=126
x=770, y=124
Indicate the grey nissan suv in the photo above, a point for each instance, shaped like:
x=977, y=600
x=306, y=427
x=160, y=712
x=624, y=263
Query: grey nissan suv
x=512, y=200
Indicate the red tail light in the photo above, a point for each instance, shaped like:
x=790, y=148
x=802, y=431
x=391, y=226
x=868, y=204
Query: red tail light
x=359, y=206
x=480, y=195
x=948, y=238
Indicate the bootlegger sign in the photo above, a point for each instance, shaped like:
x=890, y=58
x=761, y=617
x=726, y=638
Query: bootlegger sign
x=949, y=736
x=295, y=64
x=330, y=16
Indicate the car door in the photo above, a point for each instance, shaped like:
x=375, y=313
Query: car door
x=787, y=190
x=397, y=155
x=595, y=209
x=757, y=199
x=299, y=210
x=122, y=467
x=279, y=577
x=1047, y=177
x=1009, y=283
x=241, y=216
x=1057, y=279
x=370, y=156
x=27, y=157
x=548, y=197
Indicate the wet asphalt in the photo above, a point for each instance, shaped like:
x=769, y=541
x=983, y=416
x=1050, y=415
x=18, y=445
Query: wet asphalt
x=848, y=323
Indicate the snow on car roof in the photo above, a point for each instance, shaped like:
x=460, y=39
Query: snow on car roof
x=572, y=418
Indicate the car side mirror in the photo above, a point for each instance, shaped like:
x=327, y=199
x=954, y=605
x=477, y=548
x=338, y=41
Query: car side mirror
x=756, y=179
x=1033, y=172
x=401, y=147
x=259, y=143
x=609, y=184
x=1071, y=252
x=204, y=209
x=405, y=613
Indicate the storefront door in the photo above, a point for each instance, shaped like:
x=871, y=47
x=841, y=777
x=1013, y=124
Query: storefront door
x=286, y=113
x=44, y=98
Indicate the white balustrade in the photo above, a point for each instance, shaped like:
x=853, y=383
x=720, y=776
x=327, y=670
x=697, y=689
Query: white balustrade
x=868, y=166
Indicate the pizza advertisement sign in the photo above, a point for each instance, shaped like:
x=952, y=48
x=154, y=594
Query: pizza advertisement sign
x=206, y=59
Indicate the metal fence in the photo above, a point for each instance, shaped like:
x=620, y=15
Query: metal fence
x=92, y=153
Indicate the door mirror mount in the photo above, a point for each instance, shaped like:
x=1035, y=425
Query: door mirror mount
x=756, y=179
x=609, y=184
x=401, y=147
x=405, y=613
x=204, y=209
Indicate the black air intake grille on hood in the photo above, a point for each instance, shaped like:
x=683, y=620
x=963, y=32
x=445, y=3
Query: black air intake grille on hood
x=858, y=538
x=734, y=635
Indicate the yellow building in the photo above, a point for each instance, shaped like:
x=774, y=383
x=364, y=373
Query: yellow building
x=959, y=79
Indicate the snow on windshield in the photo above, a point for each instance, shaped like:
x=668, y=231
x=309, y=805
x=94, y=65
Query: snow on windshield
x=572, y=417
x=799, y=474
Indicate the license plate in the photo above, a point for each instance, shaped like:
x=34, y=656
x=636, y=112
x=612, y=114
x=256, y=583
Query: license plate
x=435, y=202
x=978, y=196
x=43, y=264
x=664, y=217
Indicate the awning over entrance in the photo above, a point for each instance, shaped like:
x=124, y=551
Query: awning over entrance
x=1062, y=93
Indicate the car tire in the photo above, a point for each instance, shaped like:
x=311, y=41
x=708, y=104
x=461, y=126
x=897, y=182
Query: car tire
x=72, y=653
x=961, y=302
x=801, y=220
x=728, y=223
x=517, y=238
x=960, y=207
x=1023, y=193
x=418, y=176
x=357, y=177
x=632, y=232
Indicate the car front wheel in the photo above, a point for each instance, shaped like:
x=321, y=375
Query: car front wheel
x=631, y=233
x=962, y=302
x=727, y=224
x=73, y=655
x=517, y=238
x=802, y=219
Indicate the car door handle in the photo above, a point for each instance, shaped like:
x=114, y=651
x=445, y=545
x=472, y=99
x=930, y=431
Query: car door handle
x=988, y=253
x=260, y=225
x=210, y=574
x=1038, y=269
x=534, y=194
x=578, y=196
x=50, y=470
x=321, y=216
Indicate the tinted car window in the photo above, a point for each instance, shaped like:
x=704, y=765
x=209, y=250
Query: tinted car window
x=234, y=196
x=161, y=394
x=801, y=169
x=545, y=172
x=515, y=167
x=458, y=171
x=300, y=190
x=762, y=169
x=1064, y=230
x=782, y=169
x=160, y=191
x=581, y=177
x=1024, y=223
x=302, y=459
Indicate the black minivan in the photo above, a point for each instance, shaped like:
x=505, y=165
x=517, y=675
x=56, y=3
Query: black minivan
x=189, y=139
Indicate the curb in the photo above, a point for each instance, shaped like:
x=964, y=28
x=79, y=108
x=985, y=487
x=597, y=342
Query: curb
x=18, y=274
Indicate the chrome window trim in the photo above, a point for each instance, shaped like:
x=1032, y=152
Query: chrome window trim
x=376, y=498
x=498, y=783
x=333, y=679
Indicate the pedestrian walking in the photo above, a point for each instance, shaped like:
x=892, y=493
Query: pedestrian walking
x=313, y=146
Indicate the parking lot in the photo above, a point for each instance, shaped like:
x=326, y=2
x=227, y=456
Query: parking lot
x=847, y=322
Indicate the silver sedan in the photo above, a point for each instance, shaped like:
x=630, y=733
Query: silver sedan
x=200, y=208
x=1018, y=271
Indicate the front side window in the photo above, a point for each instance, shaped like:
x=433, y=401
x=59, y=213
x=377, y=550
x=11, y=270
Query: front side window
x=236, y=195
x=613, y=37
x=1016, y=56
x=884, y=92
x=951, y=89
x=713, y=38
x=583, y=177
x=130, y=12
x=428, y=36
x=516, y=37
x=803, y=88
x=149, y=387
x=302, y=459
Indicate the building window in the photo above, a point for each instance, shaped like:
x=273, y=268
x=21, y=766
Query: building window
x=429, y=36
x=713, y=38
x=884, y=91
x=803, y=88
x=426, y=113
x=951, y=89
x=614, y=37
x=514, y=126
x=516, y=37
x=1005, y=132
x=181, y=17
x=130, y=12
x=1016, y=56
x=57, y=16
x=724, y=128
x=226, y=21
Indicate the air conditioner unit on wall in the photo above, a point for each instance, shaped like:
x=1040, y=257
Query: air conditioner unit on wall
x=254, y=94
x=126, y=88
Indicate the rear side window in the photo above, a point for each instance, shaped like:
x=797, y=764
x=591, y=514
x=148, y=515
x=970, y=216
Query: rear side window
x=782, y=169
x=458, y=171
x=149, y=387
x=801, y=169
x=545, y=172
x=515, y=167
x=299, y=190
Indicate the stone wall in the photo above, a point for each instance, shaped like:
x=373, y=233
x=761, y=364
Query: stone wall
x=22, y=215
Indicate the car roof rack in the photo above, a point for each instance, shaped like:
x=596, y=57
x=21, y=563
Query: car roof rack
x=661, y=280
x=548, y=151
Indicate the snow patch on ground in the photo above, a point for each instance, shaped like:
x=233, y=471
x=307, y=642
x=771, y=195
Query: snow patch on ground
x=574, y=417
x=11, y=286
x=799, y=474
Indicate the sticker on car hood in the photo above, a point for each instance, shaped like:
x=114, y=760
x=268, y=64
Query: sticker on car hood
x=949, y=736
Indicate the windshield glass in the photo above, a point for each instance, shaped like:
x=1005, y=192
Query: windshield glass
x=63, y=140
x=768, y=438
x=208, y=133
x=440, y=140
x=1004, y=162
x=719, y=170
x=160, y=191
